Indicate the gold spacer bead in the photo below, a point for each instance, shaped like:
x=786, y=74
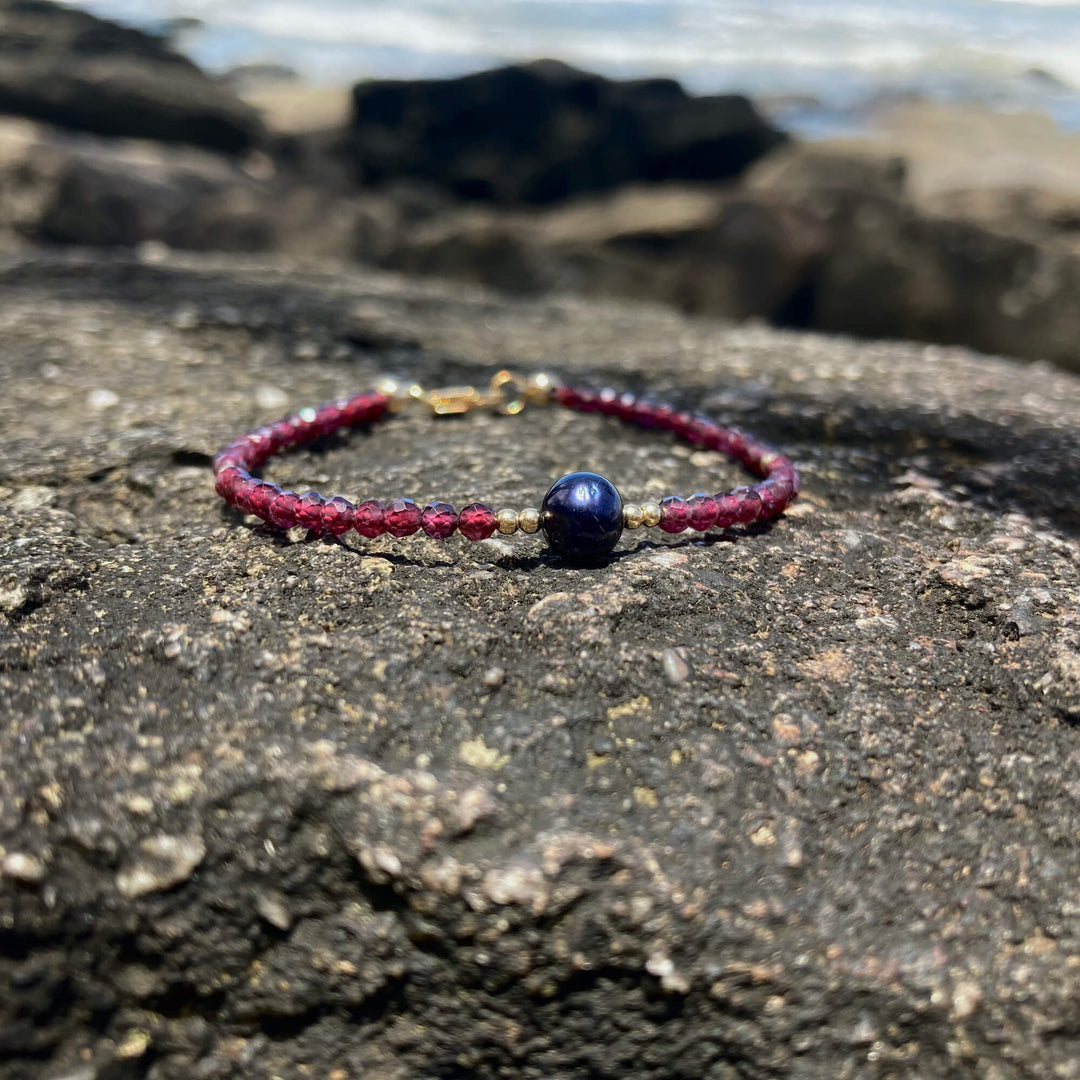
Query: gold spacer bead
x=632, y=517
x=528, y=520
x=507, y=520
x=400, y=394
x=650, y=514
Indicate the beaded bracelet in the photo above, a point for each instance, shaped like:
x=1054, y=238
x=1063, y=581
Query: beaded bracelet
x=583, y=515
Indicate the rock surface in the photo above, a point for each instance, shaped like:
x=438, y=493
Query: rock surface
x=802, y=802
x=73, y=69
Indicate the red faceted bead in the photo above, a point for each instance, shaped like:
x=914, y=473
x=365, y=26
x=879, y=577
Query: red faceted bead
x=244, y=492
x=625, y=406
x=662, y=416
x=477, y=521
x=261, y=498
x=370, y=518
x=439, y=520
x=327, y=419
x=260, y=447
x=749, y=507
x=727, y=509
x=786, y=472
x=683, y=426
x=572, y=398
x=231, y=457
x=773, y=498
x=309, y=510
x=674, y=514
x=363, y=408
x=736, y=444
x=283, y=510
x=402, y=517
x=227, y=481
x=338, y=516
x=282, y=435
x=756, y=454
x=304, y=427
x=692, y=431
x=703, y=510
x=644, y=413
x=607, y=401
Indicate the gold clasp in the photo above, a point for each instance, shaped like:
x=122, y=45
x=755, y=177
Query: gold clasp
x=506, y=393
x=454, y=400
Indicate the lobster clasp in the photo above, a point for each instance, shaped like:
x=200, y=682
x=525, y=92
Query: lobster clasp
x=507, y=393
x=454, y=400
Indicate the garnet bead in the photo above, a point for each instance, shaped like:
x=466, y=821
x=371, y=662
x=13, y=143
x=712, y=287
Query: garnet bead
x=749, y=505
x=261, y=498
x=582, y=515
x=309, y=510
x=283, y=510
x=727, y=509
x=338, y=516
x=402, y=517
x=674, y=514
x=773, y=498
x=228, y=480
x=703, y=510
x=370, y=518
x=244, y=492
x=439, y=520
x=477, y=521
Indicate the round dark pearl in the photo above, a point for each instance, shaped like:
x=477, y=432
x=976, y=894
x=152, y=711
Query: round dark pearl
x=582, y=516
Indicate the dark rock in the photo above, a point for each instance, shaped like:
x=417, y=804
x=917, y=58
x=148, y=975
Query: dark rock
x=73, y=69
x=803, y=170
x=105, y=202
x=67, y=189
x=715, y=251
x=1032, y=213
x=543, y=132
x=797, y=802
x=890, y=268
x=104, y=193
x=810, y=239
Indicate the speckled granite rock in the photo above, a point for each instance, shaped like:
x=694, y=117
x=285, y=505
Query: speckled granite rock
x=798, y=803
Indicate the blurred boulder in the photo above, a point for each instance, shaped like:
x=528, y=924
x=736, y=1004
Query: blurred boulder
x=803, y=169
x=72, y=69
x=709, y=250
x=75, y=189
x=542, y=132
x=894, y=271
x=890, y=268
x=107, y=202
x=57, y=187
x=1023, y=210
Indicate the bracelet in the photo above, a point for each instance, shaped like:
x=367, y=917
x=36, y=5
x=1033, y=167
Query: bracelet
x=583, y=514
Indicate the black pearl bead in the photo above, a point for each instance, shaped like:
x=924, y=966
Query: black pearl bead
x=582, y=515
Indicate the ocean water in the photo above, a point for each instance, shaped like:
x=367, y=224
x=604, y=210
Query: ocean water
x=822, y=62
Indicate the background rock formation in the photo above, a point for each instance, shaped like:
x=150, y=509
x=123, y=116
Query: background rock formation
x=543, y=132
x=535, y=179
x=70, y=68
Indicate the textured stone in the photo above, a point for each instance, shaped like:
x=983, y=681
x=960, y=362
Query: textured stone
x=797, y=800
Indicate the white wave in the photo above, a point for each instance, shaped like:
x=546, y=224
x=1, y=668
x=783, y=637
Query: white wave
x=761, y=42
